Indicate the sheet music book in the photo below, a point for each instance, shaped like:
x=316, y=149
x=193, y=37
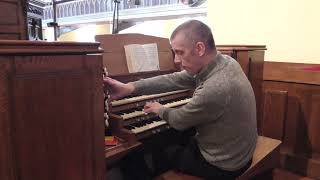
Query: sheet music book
x=142, y=57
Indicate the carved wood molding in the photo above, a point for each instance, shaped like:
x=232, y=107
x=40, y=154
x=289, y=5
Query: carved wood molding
x=292, y=72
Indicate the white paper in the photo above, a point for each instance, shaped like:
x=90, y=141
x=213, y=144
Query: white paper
x=142, y=57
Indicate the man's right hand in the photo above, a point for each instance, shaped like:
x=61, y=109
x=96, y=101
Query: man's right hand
x=117, y=89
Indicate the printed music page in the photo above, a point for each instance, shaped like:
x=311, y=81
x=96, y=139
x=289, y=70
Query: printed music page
x=142, y=57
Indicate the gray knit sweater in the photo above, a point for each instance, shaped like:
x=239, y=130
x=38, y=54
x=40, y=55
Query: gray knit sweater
x=222, y=109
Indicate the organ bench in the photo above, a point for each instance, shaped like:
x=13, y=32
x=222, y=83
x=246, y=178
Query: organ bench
x=265, y=158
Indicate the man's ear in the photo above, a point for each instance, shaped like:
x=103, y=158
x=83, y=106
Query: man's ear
x=201, y=48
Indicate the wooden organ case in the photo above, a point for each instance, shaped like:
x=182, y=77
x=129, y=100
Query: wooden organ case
x=126, y=117
x=51, y=111
x=13, y=23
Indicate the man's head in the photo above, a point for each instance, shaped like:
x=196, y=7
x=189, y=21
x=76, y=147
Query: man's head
x=193, y=45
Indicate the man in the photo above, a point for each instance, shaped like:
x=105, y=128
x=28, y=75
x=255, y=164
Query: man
x=222, y=109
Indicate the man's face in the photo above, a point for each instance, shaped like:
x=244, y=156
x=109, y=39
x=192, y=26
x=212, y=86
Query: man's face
x=185, y=54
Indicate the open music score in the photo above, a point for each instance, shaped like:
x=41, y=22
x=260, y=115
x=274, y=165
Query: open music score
x=129, y=121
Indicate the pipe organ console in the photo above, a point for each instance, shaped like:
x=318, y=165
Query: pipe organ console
x=126, y=118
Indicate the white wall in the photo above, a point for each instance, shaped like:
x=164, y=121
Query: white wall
x=289, y=28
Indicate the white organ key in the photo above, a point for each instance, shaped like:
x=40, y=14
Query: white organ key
x=143, y=97
x=141, y=113
x=146, y=127
x=132, y=114
x=177, y=103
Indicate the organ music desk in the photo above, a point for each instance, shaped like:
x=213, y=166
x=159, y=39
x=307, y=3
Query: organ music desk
x=126, y=119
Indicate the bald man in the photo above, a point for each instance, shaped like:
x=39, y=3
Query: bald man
x=222, y=109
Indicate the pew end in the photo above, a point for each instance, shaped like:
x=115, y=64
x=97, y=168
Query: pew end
x=265, y=158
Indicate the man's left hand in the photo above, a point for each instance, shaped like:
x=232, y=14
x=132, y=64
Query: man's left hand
x=152, y=107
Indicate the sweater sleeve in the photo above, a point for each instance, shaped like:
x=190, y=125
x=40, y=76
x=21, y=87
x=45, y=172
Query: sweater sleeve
x=164, y=83
x=207, y=104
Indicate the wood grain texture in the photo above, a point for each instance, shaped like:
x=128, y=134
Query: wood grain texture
x=300, y=150
x=301, y=165
x=51, y=109
x=114, y=58
x=7, y=162
x=13, y=25
x=265, y=157
x=314, y=127
x=13, y=47
x=280, y=174
x=292, y=72
x=299, y=99
x=275, y=105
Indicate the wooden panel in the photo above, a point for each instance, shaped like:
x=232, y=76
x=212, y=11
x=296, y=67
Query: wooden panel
x=51, y=112
x=301, y=165
x=114, y=54
x=58, y=132
x=243, y=59
x=9, y=36
x=12, y=8
x=11, y=47
x=240, y=47
x=314, y=127
x=109, y=45
x=43, y=64
x=137, y=76
x=93, y=64
x=291, y=136
x=12, y=19
x=300, y=153
x=292, y=72
x=302, y=94
x=280, y=174
x=117, y=65
x=256, y=59
x=274, y=108
x=7, y=168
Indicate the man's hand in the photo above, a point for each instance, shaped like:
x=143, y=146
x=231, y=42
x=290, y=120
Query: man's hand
x=117, y=89
x=152, y=107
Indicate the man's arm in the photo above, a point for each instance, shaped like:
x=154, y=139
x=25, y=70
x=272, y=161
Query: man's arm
x=164, y=83
x=207, y=104
x=117, y=89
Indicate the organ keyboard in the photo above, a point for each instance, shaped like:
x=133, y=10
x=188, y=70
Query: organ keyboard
x=143, y=97
x=128, y=120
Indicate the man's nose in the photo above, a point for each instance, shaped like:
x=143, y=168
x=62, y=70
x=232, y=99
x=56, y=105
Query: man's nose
x=177, y=60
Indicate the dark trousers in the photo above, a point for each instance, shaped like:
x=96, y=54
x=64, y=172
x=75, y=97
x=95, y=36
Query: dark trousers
x=184, y=157
x=188, y=159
